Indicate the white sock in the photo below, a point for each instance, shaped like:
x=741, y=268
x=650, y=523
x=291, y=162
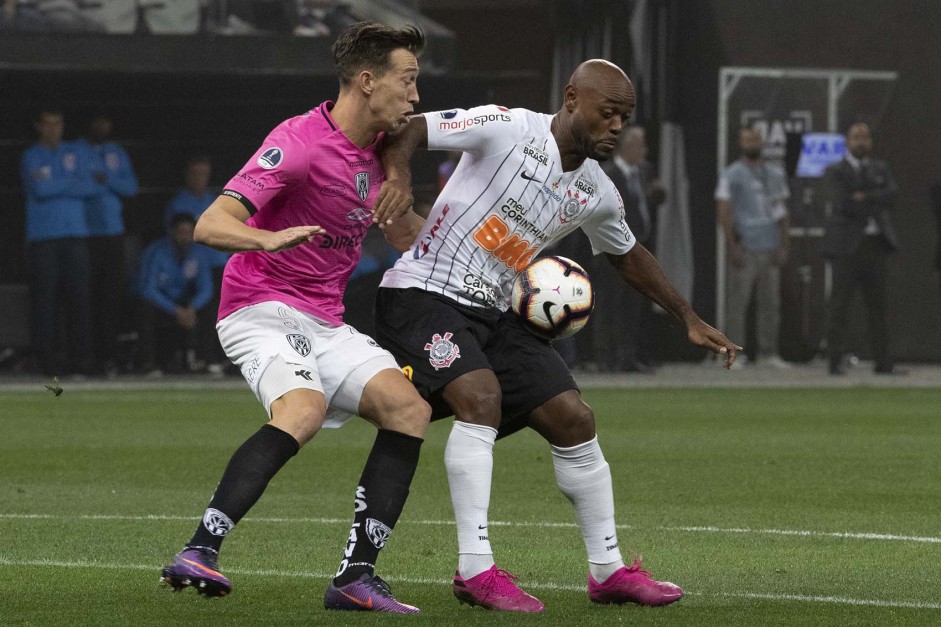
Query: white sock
x=468, y=458
x=601, y=572
x=585, y=478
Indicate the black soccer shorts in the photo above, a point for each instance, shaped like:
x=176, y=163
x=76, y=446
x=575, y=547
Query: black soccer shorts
x=435, y=340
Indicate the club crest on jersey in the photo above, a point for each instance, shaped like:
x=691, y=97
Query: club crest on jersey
x=442, y=351
x=377, y=532
x=571, y=207
x=447, y=115
x=300, y=343
x=362, y=185
x=270, y=158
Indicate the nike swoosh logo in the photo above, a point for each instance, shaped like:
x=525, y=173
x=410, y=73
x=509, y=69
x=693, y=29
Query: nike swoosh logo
x=526, y=175
x=481, y=526
x=608, y=537
x=201, y=567
x=367, y=604
x=547, y=308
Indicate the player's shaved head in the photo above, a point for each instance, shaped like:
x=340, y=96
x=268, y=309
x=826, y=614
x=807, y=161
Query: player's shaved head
x=598, y=101
x=599, y=75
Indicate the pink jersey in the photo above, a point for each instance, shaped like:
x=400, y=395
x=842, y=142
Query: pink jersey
x=306, y=173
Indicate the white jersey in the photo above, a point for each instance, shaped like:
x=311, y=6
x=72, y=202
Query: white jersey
x=507, y=199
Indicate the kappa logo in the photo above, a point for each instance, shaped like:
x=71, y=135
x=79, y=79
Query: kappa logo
x=300, y=343
x=377, y=532
x=442, y=351
x=217, y=523
x=362, y=185
x=270, y=158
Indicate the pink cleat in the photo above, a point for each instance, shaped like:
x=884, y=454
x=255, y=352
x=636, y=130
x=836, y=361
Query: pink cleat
x=630, y=584
x=494, y=589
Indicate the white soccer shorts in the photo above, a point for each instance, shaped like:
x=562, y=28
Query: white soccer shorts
x=280, y=349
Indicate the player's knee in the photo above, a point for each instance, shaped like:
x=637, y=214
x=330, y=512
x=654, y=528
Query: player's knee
x=300, y=420
x=480, y=407
x=575, y=425
x=410, y=417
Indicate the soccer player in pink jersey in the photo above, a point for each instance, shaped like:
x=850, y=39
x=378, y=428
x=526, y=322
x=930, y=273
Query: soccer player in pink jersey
x=295, y=216
x=525, y=181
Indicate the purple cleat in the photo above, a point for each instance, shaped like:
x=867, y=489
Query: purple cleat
x=369, y=593
x=197, y=568
x=495, y=589
x=630, y=584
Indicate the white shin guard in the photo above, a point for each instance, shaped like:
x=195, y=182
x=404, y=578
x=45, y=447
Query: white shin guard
x=584, y=476
x=468, y=458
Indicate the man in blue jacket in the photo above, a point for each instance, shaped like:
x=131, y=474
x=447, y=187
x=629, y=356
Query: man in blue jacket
x=175, y=287
x=111, y=168
x=57, y=183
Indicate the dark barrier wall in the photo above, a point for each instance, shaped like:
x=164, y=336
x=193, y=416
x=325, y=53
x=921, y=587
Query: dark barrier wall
x=902, y=36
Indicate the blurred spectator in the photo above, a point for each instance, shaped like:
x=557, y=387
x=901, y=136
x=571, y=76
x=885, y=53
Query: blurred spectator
x=49, y=15
x=111, y=168
x=194, y=199
x=858, y=239
x=243, y=17
x=750, y=206
x=116, y=16
x=57, y=183
x=175, y=287
x=321, y=18
x=625, y=313
x=170, y=17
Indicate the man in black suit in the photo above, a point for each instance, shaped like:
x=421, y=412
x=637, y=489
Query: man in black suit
x=622, y=321
x=858, y=240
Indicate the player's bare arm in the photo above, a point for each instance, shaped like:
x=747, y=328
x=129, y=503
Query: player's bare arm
x=639, y=268
x=395, y=195
x=222, y=226
x=401, y=234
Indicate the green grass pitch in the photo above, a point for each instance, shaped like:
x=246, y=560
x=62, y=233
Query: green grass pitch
x=769, y=507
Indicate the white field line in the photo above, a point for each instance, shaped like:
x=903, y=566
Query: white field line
x=921, y=605
x=502, y=523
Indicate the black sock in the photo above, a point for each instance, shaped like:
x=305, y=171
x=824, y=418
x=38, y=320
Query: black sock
x=383, y=488
x=245, y=478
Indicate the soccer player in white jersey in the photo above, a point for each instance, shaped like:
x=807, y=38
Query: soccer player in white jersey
x=295, y=216
x=525, y=181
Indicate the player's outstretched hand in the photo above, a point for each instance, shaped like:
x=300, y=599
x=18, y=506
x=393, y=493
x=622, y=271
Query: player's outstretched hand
x=291, y=237
x=702, y=334
x=394, y=201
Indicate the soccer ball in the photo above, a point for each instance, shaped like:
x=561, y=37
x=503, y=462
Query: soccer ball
x=553, y=296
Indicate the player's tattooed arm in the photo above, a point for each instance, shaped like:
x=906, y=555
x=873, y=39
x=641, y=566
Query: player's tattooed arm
x=223, y=227
x=639, y=268
x=395, y=195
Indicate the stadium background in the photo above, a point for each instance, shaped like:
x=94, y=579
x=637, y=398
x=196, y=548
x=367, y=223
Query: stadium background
x=173, y=95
